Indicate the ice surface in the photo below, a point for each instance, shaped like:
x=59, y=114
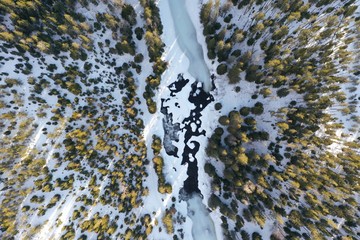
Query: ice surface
x=203, y=227
x=187, y=40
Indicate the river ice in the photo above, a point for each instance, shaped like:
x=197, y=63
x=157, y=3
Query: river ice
x=186, y=37
x=187, y=40
x=203, y=227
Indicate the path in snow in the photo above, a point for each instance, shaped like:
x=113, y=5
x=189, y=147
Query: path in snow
x=187, y=40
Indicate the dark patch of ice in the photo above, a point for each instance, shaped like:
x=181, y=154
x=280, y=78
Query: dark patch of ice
x=171, y=131
x=177, y=86
x=200, y=99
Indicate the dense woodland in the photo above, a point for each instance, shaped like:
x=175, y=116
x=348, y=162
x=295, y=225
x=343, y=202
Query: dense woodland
x=290, y=178
x=71, y=117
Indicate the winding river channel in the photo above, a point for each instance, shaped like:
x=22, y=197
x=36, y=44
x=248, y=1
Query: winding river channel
x=199, y=96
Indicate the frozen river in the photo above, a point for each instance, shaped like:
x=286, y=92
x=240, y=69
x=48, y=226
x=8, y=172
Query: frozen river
x=202, y=225
x=187, y=40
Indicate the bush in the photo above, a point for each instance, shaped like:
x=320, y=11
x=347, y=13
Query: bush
x=36, y=199
x=211, y=54
x=224, y=120
x=256, y=236
x=221, y=69
x=214, y=202
x=210, y=170
x=239, y=222
x=151, y=106
x=87, y=66
x=168, y=221
x=159, y=67
x=228, y=18
x=138, y=58
x=139, y=32
x=244, y=235
x=218, y=106
x=250, y=42
x=244, y=111
x=252, y=73
x=25, y=208
x=283, y=92
x=250, y=121
x=167, y=188
x=265, y=92
x=236, y=53
x=234, y=73
x=258, y=109
x=128, y=13
x=156, y=145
